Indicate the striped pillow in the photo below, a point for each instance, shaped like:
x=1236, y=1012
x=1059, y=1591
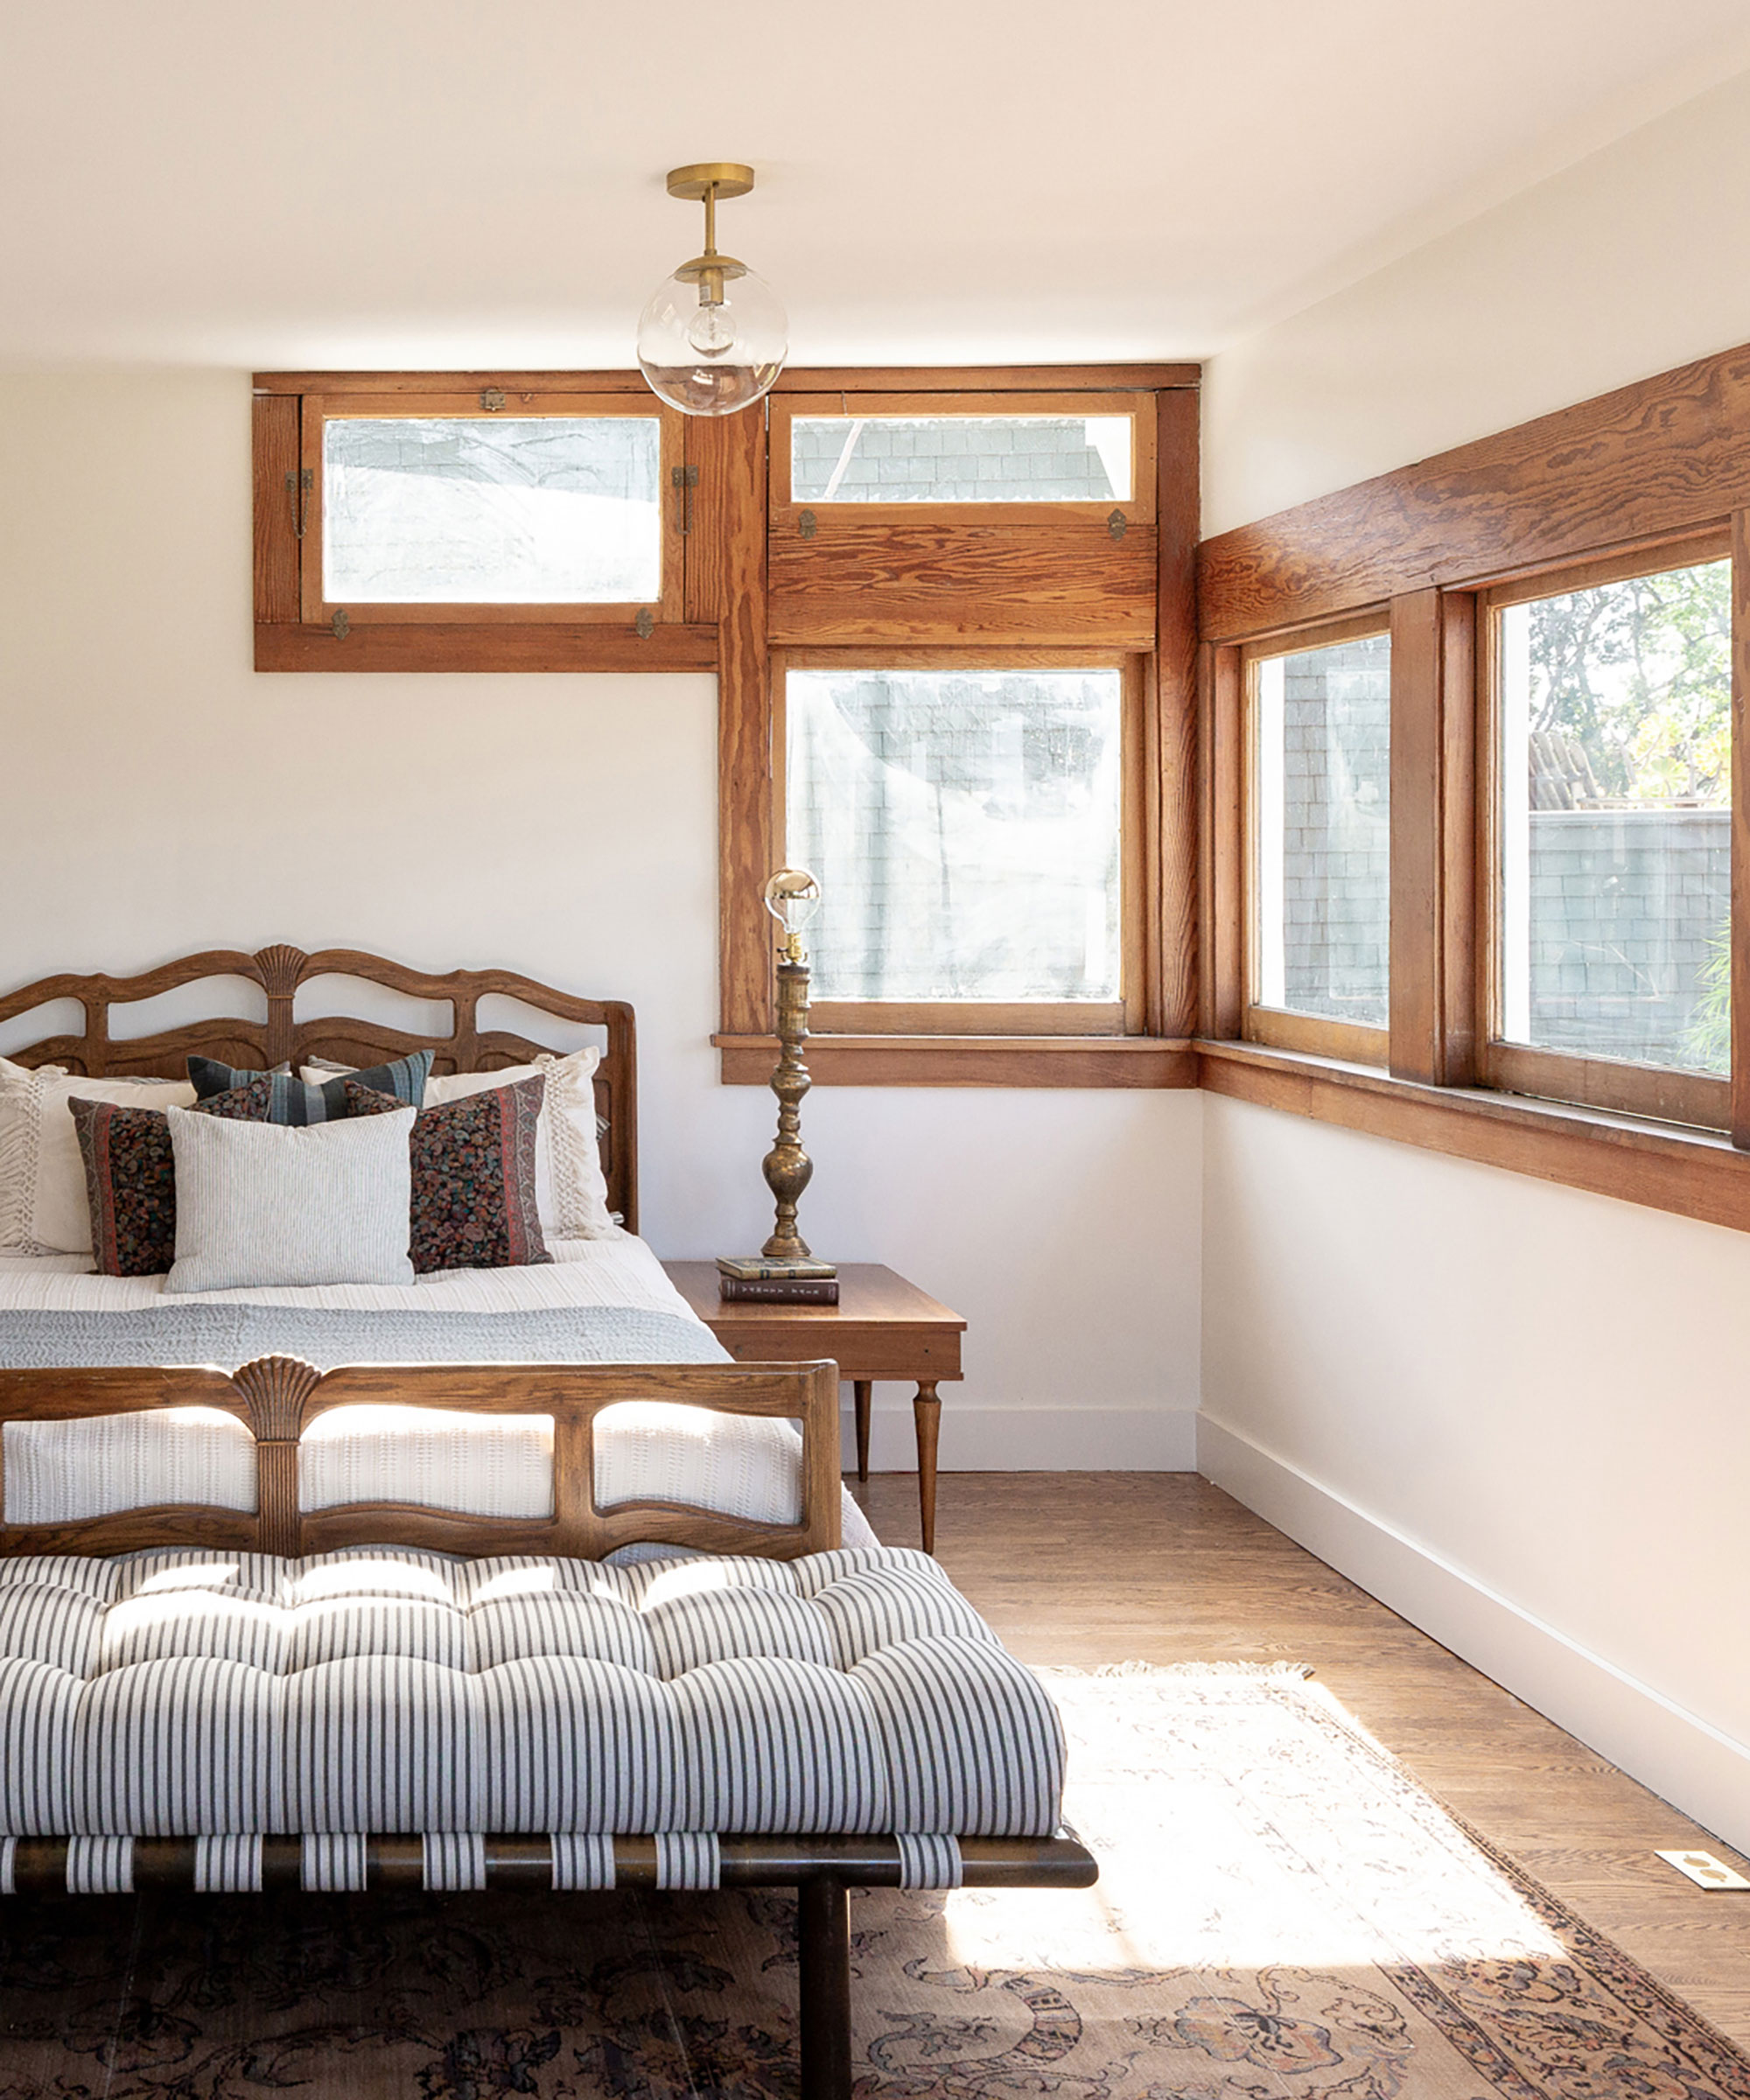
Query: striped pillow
x=297, y=1102
x=260, y=1205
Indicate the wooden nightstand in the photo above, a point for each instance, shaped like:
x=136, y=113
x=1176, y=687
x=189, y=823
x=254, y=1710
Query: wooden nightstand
x=881, y=1327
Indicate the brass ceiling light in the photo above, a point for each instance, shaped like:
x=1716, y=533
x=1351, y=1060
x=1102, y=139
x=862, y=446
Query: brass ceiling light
x=714, y=336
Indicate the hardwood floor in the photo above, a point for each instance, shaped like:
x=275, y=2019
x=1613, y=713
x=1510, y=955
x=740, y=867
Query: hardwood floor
x=1091, y=1568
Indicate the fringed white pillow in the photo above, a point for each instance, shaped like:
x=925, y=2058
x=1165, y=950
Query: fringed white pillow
x=44, y=1208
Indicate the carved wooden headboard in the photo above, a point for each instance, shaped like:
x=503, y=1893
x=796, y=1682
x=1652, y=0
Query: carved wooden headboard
x=279, y=971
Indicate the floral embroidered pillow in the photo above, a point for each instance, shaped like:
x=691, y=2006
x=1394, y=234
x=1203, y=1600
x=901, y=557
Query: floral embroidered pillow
x=474, y=1202
x=130, y=1174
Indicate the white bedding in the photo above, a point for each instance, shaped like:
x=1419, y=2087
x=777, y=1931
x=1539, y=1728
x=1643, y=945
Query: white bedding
x=658, y=1452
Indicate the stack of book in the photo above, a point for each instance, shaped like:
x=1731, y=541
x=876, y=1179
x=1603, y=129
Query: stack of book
x=759, y=1279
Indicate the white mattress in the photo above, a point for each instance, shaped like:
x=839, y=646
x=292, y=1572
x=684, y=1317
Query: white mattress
x=655, y=1451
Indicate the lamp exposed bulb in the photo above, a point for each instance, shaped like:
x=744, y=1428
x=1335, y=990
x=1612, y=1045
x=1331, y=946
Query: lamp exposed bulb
x=712, y=330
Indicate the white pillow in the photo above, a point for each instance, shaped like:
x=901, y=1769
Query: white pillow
x=271, y=1204
x=571, y=1194
x=42, y=1204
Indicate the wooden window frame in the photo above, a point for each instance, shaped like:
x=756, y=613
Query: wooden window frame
x=1138, y=508
x=1278, y=1028
x=297, y=628
x=1160, y=633
x=1649, y=478
x=1615, y=1084
x=1121, y=1017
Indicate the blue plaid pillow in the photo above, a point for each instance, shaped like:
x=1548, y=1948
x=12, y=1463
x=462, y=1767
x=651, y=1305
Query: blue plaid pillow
x=296, y=1101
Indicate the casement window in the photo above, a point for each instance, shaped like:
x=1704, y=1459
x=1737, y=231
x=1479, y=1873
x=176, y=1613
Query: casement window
x=425, y=524
x=976, y=827
x=1609, y=835
x=1318, y=804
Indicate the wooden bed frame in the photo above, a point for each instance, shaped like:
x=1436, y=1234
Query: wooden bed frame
x=280, y=1038
x=276, y=1396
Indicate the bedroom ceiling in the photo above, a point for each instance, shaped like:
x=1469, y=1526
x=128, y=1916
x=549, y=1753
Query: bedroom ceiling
x=441, y=182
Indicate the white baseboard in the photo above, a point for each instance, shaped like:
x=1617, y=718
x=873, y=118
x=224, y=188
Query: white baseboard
x=1033, y=1439
x=1696, y=1767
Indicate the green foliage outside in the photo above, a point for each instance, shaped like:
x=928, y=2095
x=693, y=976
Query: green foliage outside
x=1640, y=674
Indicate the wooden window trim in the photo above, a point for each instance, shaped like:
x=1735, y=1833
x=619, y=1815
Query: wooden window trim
x=1124, y=1016
x=1280, y=1027
x=1636, y=480
x=296, y=628
x=1138, y=508
x=1615, y=1085
x=1166, y=921
x=1691, y=1173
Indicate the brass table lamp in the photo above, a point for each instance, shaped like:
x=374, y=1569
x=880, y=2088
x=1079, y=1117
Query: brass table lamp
x=793, y=897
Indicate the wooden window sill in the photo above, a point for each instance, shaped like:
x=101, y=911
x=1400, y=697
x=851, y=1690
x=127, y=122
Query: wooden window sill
x=488, y=645
x=1693, y=1173
x=969, y=1061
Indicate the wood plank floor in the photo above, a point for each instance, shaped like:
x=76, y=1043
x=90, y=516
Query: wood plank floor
x=1092, y=1568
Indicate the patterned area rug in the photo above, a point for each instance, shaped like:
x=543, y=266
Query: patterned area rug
x=1283, y=1914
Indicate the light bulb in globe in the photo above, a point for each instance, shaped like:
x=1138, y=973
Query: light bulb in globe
x=792, y=896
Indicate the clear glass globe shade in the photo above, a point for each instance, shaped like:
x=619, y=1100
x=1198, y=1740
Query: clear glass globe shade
x=709, y=359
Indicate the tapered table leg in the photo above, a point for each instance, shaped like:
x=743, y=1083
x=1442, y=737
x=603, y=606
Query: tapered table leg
x=823, y=1937
x=927, y=1413
x=863, y=1387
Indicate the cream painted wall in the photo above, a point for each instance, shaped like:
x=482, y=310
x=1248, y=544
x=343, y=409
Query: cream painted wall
x=1514, y=1411
x=157, y=796
x=1625, y=264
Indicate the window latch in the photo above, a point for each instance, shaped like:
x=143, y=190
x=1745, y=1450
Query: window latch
x=297, y=488
x=492, y=399
x=645, y=625
x=806, y=521
x=341, y=624
x=1117, y=524
x=686, y=479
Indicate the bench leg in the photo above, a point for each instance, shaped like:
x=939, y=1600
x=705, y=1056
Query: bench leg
x=824, y=1935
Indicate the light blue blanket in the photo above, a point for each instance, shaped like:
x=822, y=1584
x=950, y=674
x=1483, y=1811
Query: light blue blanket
x=229, y=1334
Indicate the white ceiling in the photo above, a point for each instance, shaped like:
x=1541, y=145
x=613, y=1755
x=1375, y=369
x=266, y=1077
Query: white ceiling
x=479, y=182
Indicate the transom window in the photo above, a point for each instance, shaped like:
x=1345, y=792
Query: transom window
x=488, y=506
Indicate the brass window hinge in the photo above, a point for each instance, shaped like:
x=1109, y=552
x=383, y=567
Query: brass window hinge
x=297, y=488
x=686, y=479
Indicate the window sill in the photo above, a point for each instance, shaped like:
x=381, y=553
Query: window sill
x=1692, y=1173
x=486, y=646
x=969, y=1061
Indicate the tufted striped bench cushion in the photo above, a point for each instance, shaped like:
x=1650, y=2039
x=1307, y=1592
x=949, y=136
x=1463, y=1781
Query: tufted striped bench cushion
x=222, y=1696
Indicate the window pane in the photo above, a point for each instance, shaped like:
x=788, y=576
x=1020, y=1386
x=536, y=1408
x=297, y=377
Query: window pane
x=1323, y=828
x=1615, y=868
x=498, y=510
x=964, y=826
x=960, y=458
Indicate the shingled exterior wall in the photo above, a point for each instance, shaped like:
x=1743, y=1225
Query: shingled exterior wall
x=1624, y=906
x=1336, y=822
